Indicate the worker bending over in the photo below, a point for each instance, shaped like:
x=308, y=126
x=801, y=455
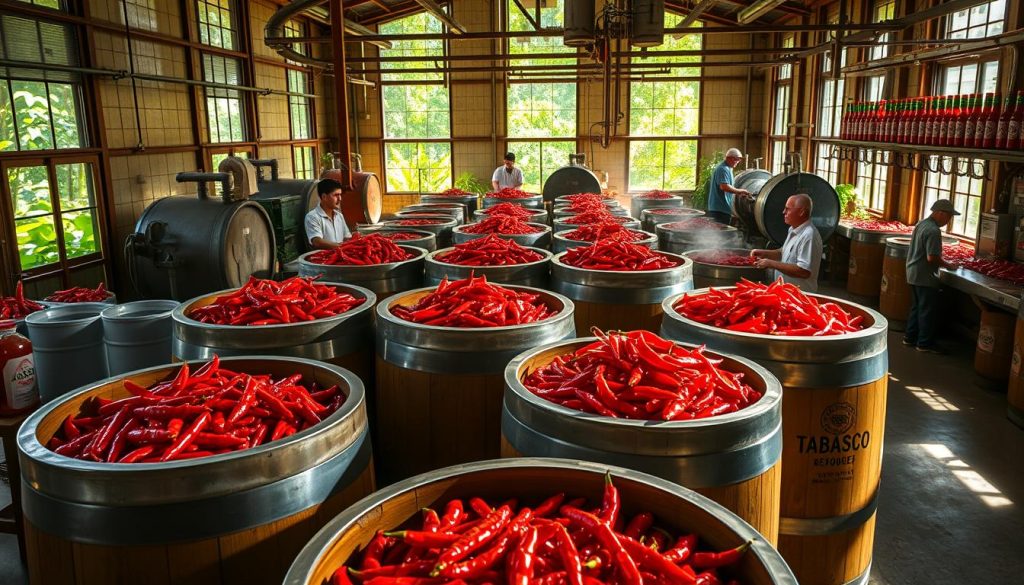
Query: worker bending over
x=923, y=262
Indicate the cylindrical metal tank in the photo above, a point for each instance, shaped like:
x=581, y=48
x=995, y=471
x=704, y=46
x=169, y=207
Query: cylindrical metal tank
x=762, y=211
x=184, y=247
x=648, y=23
x=579, y=23
x=570, y=179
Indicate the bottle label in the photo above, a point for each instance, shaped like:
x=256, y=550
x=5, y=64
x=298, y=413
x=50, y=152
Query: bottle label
x=990, y=130
x=1013, y=130
x=1001, y=130
x=20, y=382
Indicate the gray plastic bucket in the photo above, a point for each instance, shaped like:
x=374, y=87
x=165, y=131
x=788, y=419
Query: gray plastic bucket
x=67, y=342
x=137, y=335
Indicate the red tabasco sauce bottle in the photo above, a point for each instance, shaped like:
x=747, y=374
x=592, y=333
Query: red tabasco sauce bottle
x=1013, y=139
x=972, y=120
x=991, y=124
x=1003, y=128
x=942, y=121
x=18, y=390
x=960, y=125
x=932, y=125
x=979, y=128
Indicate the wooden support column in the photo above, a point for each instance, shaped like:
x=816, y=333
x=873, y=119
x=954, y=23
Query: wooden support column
x=341, y=88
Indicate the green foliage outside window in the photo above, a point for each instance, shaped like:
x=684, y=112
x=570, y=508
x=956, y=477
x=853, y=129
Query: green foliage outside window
x=418, y=167
x=38, y=115
x=539, y=159
x=662, y=164
x=34, y=218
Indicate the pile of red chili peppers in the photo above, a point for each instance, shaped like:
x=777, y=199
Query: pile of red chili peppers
x=957, y=254
x=509, y=209
x=509, y=193
x=695, y=223
x=611, y=230
x=267, y=302
x=362, y=251
x=615, y=255
x=584, y=205
x=723, y=258
x=454, y=192
x=1012, y=272
x=779, y=308
x=18, y=306
x=584, y=197
x=427, y=213
x=561, y=541
x=211, y=411
x=501, y=224
x=474, y=302
x=401, y=236
x=490, y=250
x=877, y=225
x=420, y=221
x=670, y=211
x=80, y=294
x=595, y=216
x=656, y=194
x=639, y=375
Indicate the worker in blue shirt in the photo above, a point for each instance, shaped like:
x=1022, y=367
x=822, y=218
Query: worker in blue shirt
x=721, y=191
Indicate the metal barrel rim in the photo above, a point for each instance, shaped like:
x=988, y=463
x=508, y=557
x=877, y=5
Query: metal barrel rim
x=52, y=317
x=125, y=313
x=534, y=239
x=560, y=225
x=301, y=571
x=722, y=271
x=560, y=243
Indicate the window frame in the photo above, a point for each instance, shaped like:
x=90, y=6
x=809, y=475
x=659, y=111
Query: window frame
x=232, y=10
x=314, y=172
x=947, y=32
x=209, y=93
x=776, y=140
x=950, y=192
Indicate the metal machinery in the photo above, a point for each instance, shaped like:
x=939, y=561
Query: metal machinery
x=363, y=200
x=762, y=211
x=184, y=247
x=574, y=178
x=286, y=201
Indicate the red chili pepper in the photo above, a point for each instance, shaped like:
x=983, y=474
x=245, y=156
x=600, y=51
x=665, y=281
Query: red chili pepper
x=80, y=294
x=511, y=209
x=615, y=255
x=595, y=216
x=362, y=250
x=490, y=250
x=612, y=502
x=714, y=560
x=501, y=225
x=509, y=193
x=17, y=307
x=474, y=302
x=266, y=302
x=605, y=230
x=475, y=538
x=522, y=560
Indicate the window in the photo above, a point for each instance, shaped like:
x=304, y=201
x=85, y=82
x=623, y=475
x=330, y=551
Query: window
x=884, y=11
x=664, y=119
x=965, y=78
x=39, y=110
x=965, y=192
x=300, y=112
x=218, y=157
x=873, y=88
x=55, y=4
x=223, y=106
x=305, y=167
x=417, y=113
x=780, y=127
x=540, y=118
x=216, y=24
x=295, y=28
x=786, y=69
x=830, y=113
x=56, y=220
x=984, y=20
x=872, y=179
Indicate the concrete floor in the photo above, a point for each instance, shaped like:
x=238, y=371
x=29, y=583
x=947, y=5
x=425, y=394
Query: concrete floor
x=951, y=508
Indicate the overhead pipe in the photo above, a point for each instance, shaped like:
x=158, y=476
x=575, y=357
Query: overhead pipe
x=584, y=67
x=437, y=12
x=273, y=34
x=558, y=56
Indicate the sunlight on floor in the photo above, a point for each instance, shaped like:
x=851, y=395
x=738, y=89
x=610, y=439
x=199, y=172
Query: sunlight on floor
x=971, y=479
x=932, y=399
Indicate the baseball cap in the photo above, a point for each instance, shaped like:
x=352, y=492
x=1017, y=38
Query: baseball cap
x=945, y=205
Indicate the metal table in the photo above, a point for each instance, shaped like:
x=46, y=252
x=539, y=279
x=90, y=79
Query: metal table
x=997, y=292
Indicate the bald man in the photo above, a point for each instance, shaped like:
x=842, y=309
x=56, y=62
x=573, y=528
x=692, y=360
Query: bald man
x=720, y=189
x=799, y=258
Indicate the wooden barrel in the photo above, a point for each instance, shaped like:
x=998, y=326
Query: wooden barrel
x=732, y=459
x=426, y=240
x=471, y=201
x=530, y=481
x=363, y=200
x=672, y=237
x=444, y=212
x=1015, y=392
x=614, y=299
x=992, y=355
x=720, y=275
x=536, y=215
x=235, y=518
x=343, y=340
x=894, y=297
x=867, y=250
x=638, y=203
x=441, y=227
x=539, y=239
x=439, y=388
x=833, y=421
x=560, y=243
x=652, y=217
x=534, y=201
x=562, y=225
x=529, y=274
x=382, y=279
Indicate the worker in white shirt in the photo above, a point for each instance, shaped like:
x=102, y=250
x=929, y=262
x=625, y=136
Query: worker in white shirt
x=325, y=225
x=507, y=175
x=799, y=258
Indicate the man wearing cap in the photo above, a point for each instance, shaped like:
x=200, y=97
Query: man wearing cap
x=923, y=262
x=720, y=189
x=798, y=260
x=325, y=226
x=507, y=175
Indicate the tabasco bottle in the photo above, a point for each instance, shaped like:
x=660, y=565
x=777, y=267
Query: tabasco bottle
x=898, y=111
x=991, y=123
x=960, y=122
x=942, y=122
x=1003, y=128
x=979, y=128
x=922, y=122
x=913, y=120
x=972, y=120
x=18, y=390
x=1013, y=140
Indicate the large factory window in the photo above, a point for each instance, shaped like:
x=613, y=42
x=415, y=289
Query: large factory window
x=416, y=111
x=780, y=111
x=664, y=118
x=39, y=110
x=969, y=78
x=305, y=164
x=54, y=208
x=872, y=179
x=540, y=117
x=216, y=23
x=964, y=191
x=223, y=106
x=983, y=20
x=830, y=108
x=300, y=111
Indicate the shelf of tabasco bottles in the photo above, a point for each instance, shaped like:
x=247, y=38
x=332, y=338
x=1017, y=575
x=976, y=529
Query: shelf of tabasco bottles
x=978, y=126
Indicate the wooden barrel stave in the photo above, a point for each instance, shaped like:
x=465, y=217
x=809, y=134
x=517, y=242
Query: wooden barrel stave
x=606, y=316
x=994, y=349
x=865, y=270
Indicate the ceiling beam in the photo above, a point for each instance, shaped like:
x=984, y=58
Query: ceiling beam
x=437, y=12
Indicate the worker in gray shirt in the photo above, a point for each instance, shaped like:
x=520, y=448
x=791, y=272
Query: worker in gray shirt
x=923, y=263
